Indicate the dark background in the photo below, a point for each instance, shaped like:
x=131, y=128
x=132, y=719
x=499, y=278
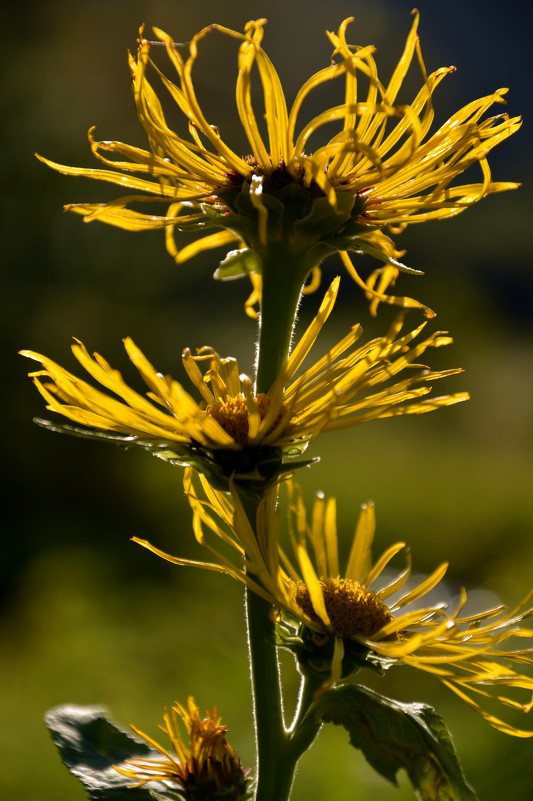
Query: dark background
x=89, y=617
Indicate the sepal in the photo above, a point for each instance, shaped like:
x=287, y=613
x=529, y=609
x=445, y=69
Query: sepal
x=252, y=469
x=277, y=209
x=314, y=652
x=327, y=221
x=356, y=243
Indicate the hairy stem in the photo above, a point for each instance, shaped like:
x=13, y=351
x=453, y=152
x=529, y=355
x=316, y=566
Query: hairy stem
x=273, y=775
x=282, y=280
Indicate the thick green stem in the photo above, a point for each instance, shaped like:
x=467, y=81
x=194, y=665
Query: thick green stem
x=278, y=749
x=283, y=277
x=273, y=775
x=282, y=280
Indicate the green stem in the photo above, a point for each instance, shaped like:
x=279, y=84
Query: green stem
x=278, y=749
x=282, y=280
x=302, y=732
x=308, y=687
x=273, y=776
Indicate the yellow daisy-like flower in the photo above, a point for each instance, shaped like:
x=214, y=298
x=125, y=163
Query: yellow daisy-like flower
x=203, y=766
x=382, y=167
x=336, y=621
x=348, y=386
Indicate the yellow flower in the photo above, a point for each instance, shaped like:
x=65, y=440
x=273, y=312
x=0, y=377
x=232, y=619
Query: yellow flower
x=382, y=166
x=337, y=621
x=204, y=766
x=348, y=386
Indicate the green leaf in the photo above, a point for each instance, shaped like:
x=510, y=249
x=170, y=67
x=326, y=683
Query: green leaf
x=90, y=745
x=393, y=736
x=236, y=264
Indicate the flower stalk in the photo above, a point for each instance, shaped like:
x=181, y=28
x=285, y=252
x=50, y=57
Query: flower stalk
x=282, y=282
x=274, y=769
x=273, y=774
x=278, y=748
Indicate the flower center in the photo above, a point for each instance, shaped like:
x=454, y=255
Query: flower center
x=278, y=180
x=232, y=416
x=352, y=609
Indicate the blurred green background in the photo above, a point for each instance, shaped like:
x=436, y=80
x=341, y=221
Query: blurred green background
x=89, y=617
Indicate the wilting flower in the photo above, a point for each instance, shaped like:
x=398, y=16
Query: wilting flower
x=348, y=386
x=382, y=167
x=337, y=621
x=204, y=765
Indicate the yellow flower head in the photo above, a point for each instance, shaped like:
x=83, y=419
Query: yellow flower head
x=382, y=166
x=203, y=766
x=339, y=621
x=348, y=386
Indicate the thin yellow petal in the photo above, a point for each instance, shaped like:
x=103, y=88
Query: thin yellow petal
x=360, y=553
x=313, y=585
